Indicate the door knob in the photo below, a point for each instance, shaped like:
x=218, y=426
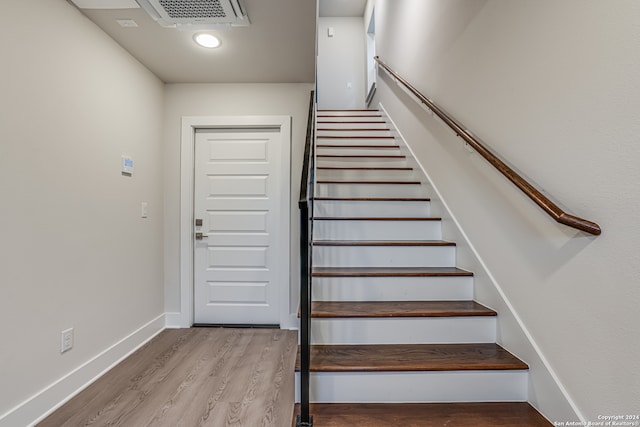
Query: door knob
x=200, y=236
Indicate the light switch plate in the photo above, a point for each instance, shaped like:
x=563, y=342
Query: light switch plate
x=127, y=165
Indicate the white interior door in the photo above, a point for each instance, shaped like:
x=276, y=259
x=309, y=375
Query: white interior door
x=238, y=209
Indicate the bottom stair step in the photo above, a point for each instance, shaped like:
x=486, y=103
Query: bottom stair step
x=496, y=414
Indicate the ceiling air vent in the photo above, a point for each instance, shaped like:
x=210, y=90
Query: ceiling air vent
x=197, y=14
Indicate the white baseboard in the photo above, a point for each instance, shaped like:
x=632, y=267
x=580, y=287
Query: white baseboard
x=43, y=403
x=292, y=323
x=175, y=320
x=546, y=392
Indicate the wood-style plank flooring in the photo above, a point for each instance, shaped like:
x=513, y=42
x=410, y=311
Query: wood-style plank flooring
x=193, y=377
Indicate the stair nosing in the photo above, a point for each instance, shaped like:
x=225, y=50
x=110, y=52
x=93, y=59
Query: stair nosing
x=353, y=130
x=360, y=122
x=349, y=115
x=414, y=414
x=355, y=137
x=339, y=168
x=362, y=147
x=326, y=110
x=354, y=156
x=372, y=199
x=397, y=309
x=369, y=353
x=346, y=218
x=369, y=182
x=390, y=272
x=382, y=243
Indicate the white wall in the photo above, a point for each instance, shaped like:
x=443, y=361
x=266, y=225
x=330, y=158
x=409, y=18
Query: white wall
x=551, y=85
x=228, y=100
x=341, y=64
x=74, y=251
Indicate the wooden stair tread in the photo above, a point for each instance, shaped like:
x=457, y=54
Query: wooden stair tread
x=368, y=156
x=364, y=147
x=348, y=218
x=348, y=115
x=354, y=129
x=354, y=168
x=390, y=272
x=355, y=137
x=382, y=243
x=371, y=309
x=411, y=357
x=372, y=199
x=326, y=181
x=360, y=122
x=485, y=414
x=346, y=110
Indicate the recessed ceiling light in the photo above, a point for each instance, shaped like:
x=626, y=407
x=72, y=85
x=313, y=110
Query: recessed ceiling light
x=207, y=40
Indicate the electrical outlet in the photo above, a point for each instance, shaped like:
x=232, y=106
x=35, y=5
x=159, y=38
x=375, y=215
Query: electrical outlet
x=66, y=341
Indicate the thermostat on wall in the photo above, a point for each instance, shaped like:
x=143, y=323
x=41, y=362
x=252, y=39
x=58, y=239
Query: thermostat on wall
x=127, y=165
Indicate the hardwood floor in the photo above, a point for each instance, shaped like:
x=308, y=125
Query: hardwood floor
x=193, y=377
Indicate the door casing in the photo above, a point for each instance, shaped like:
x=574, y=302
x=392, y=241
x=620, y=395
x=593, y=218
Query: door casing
x=187, y=158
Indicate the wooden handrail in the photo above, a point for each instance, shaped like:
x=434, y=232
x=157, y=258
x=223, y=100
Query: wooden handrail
x=533, y=193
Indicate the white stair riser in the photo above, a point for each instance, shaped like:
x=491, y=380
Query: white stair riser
x=413, y=330
x=350, y=124
x=365, y=174
x=376, y=230
x=362, y=208
x=393, y=288
x=369, y=190
x=446, y=386
x=366, y=162
x=360, y=151
x=356, y=141
x=348, y=133
x=384, y=256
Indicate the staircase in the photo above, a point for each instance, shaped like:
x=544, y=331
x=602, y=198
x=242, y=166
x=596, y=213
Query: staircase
x=394, y=324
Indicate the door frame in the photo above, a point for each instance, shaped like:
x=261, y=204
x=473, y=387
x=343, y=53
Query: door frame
x=187, y=166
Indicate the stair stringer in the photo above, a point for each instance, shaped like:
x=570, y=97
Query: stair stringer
x=545, y=390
